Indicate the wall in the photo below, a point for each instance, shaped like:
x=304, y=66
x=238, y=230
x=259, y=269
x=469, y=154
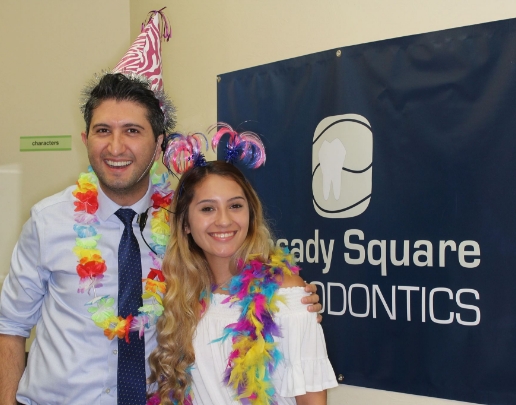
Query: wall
x=50, y=50
x=213, y=37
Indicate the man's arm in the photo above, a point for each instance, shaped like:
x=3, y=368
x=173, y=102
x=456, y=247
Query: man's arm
x=22, y=295
x=12, y=353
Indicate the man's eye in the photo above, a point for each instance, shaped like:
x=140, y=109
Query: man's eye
x=133, y=130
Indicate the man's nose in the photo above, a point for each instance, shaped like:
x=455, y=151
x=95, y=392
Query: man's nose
x=116, y=144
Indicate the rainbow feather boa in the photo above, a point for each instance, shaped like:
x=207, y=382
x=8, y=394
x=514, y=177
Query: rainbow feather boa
x=254, y=355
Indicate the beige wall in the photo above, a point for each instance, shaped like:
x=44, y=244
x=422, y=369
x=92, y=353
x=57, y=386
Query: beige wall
x=50, y=49
x=213, y=37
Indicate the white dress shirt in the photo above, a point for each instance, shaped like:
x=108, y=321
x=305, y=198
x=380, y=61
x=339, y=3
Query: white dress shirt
x=70, y=360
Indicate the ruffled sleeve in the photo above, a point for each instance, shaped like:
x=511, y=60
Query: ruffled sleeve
x=305, y=366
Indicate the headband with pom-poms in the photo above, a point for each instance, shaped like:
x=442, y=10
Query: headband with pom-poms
x=181, y=152
x=246, y=146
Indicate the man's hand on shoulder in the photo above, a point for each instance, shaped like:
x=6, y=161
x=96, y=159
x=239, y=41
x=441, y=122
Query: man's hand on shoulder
x=312, y=300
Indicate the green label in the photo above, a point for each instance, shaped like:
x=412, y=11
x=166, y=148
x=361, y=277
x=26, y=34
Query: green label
x=45, y=143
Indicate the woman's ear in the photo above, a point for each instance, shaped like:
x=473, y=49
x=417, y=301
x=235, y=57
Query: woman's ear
x=187, y=229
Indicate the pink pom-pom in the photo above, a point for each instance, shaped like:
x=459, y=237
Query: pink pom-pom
x=183, y=151
x=246, y=146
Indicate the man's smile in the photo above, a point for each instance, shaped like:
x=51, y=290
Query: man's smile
x=114, y=163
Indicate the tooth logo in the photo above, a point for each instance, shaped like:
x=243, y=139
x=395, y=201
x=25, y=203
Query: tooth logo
x=342, y=157
x=331, y=158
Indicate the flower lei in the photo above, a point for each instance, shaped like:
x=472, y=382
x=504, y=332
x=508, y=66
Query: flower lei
x=91, y=267
x=254, y=355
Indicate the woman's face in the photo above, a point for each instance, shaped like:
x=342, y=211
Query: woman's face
x=218, y=219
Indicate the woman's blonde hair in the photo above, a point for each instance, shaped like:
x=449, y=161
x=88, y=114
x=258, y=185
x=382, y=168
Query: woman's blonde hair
x=188, y=278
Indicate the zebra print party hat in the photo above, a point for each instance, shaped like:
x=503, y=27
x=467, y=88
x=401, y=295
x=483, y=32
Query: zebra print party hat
x=142, y=62
x=144, y=55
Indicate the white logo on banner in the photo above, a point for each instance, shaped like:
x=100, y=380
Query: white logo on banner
x=342, y=159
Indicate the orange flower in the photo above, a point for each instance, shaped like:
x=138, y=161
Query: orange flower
x=121, y=329
x=154, y=286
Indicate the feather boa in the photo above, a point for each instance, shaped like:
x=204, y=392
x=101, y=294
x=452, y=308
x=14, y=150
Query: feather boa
x=254, y=355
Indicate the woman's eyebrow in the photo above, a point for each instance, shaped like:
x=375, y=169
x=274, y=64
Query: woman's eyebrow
x=209, y=200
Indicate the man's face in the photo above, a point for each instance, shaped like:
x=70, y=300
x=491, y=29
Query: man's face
x=121, y=149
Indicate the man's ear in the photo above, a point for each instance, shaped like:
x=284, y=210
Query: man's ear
x=157, y=152
x=84, y=137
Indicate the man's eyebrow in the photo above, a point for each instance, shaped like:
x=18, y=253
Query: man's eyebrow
x=132, y=124
x=127, y=125
x=100, y=125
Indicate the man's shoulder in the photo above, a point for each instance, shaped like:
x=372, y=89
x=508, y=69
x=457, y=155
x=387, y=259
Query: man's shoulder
x=56, y=201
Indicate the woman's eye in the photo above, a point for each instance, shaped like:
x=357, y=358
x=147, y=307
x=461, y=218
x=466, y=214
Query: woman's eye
x=206, y=209
x=236, y=206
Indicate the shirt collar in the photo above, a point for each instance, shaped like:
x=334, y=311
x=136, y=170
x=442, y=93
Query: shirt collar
x=108, y=207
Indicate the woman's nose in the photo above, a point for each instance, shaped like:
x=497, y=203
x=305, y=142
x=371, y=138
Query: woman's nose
x=223, y=218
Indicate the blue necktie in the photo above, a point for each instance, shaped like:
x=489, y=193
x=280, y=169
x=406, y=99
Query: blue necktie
x=131, y=356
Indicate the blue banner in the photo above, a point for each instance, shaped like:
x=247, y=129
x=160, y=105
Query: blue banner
x=391, y=175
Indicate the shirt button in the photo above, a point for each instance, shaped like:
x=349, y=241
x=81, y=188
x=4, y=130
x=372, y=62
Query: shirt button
x=108, y=390
x=115, y=351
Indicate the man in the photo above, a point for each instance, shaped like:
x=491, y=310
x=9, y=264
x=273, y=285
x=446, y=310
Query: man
x=67, y=267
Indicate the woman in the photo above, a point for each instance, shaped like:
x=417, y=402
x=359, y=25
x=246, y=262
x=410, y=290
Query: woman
x=223, y=284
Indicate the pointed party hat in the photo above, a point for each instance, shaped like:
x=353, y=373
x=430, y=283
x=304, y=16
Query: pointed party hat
x=144, y=55
x=142, y=62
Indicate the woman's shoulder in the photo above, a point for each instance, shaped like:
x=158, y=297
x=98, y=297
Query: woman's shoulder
x=287, y=275
x=293, y=280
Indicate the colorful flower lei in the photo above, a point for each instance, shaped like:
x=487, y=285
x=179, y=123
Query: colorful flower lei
x=91, y=267
x=254, y=355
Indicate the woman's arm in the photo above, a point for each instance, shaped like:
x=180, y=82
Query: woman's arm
x=312, y=398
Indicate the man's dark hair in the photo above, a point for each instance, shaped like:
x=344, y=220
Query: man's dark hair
x=119, y=87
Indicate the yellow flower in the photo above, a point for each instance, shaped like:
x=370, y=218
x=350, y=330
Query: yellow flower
x=83, y=185
x=160, y=227
x=89, y=255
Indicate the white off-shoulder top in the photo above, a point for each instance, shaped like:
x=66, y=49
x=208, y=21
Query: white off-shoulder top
x=305, y=366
